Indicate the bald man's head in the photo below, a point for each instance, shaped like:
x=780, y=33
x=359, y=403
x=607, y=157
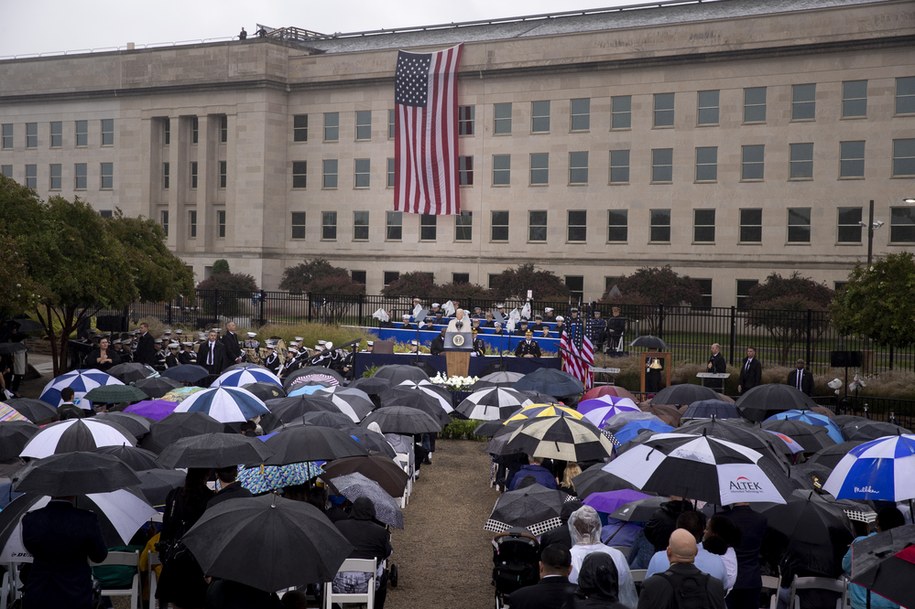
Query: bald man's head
x=682, y=547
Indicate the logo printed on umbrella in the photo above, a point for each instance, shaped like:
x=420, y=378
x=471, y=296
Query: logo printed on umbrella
x=744, y=484
x=867, y=489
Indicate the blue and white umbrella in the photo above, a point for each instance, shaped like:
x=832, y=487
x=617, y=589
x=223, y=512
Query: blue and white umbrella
x=882, y=469
x=812, y=418
x=225, y=404
x=80, y=381
x=245, y=376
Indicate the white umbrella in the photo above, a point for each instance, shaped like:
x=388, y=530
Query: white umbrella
x=76, y=434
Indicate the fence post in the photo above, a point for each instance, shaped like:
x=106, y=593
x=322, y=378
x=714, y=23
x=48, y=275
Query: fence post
x=732, y=339
x=808, y=352
x=262, y=306
x=168, y=312
x=216, y=306
x=361, y=304
x=660, y=321
x=308, y=317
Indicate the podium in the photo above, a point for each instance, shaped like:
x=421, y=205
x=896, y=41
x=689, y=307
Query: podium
x=717, y=382
x=458, y=347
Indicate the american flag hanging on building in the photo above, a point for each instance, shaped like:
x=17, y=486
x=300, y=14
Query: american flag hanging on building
x=426, y=133
x=577, y=357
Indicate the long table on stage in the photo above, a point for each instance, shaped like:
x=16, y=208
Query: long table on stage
x=479, y=366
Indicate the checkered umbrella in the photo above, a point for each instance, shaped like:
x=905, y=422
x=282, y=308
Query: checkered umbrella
x=534, y=507
x=73, y=435
x=225, y=404
x=493, y=404
x=562, y=438
x=80, y=381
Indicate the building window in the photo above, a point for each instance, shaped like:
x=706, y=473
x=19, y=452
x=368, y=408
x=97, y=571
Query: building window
x=220, y=224
x=31, y=176
x=663, y=109
x=428, y=227
x=166, y=131
x=392, y=124
x=360, y=226
x=390, y=277
x=501, y=170
x=6, y=171
x=465, y=170
x=798, y=225
x=223, y=128
x=331, y=126
x=502, y=119
x=299, y=174
x=106, y=213
x=57, y=134
x=752, y=162
x=703, y=225
x=163, y=221
x=854, y=98
x=540, y=168
x=499, y=228
x=362, y=170
x=390, y=173
x=329, y=173
x=166, y=175
x=6, y=136
x=80, y=176
x=363, y=125
x=31, y=135
x=617, y=225
x=751, y=225
x=192, y=224
x=577, y=226
x=851, y=159
x=743, y=291
x=106, y=176
x=706, y=163
x=803, y=102
x=107, y=126
x=902, y=224
x=393, y=225
x=297, y=222
x=707, y=108
x=329, y=225
x=662, y=164
x=193, y=174
x=195, y=131
x=801, y=163
x=905, y=95
x=619, y=166
x=54, y=176
x=580, y=114
x=705, y=289
x=223, y=173
x=578, y=168
x=465, y=120
x=849, y=229
x=621, y=112
x=460, y=278
x=300, y=128
x=660, y=226
x=576, y=285
x=357, y=276
x=904, y=158
x=754, y=105
x=82, y=133
x=463, y=226
x=537, y=225
x=540, y=116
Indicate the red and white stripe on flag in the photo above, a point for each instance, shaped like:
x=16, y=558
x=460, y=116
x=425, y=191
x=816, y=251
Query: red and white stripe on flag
x=576, y=360
x=426, y=179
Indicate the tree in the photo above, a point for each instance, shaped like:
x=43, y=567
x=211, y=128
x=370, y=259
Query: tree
x=319, y=276
x=514, y=283
x=222, y=291
x=650, y=286
x=465, y=292
x=780, y=306
x=416, y=283
x=877, y=303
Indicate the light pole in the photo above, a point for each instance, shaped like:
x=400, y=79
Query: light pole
x=872, y=225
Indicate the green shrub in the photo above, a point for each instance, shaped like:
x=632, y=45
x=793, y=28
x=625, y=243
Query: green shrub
x=461, y=429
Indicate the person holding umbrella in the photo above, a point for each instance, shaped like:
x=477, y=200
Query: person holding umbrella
x=888, y=518
x=370, y=540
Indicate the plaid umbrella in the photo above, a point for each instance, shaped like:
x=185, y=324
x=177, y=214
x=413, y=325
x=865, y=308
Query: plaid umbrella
x=534, y=507
x=355, y=485
x=493, y=404
x=80, y=381
x=155, y=410
x=75, y=435
x=238, y=378
x=882, y=469
x=266, y=478
x=8, y=413
x=180, y=394
x=562, y=438
x=115, y=394
x=225, y=404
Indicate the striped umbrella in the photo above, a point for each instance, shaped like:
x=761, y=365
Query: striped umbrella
x=442, y=396
x=8, y=413
x=80, y=381
x=244, y=376
x=354, y=403
x=562, y=438
x=225, y=404
x=882, y=469
x=543, y=410
x=599, y=410
x=493, y=404
x=75, y=435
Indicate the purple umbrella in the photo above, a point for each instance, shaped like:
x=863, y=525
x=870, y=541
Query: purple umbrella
x=610, y=501
x=155, y=410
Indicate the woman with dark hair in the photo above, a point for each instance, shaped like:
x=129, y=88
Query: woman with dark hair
x=103, y=356
x=721, y=537
x=598, y=584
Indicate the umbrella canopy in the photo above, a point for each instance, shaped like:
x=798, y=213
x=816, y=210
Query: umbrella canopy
x=80, y=381
x=439, y=394
x=186, y=373
x=403, y=420
x=501, y=378
x=534, y=507
x=623, y=418
x=649, y=342
x=808, y=476
x=595, y=479
x=392, y=478
x=871, y=430
x=763, y=400
x=830, y=456
x=372, y=385
x=811, y=418
x=882, y=469
x=154, y=410
x=215, y=450
x=639, y=510
x=401, y=396
x=398, y=373
x=534, y=411
x=155, y=484
x=703, y=468
x=353, y=486
x=115, y=394
x=311, y=443
x=156, y=387
x=305, y=390
x=667, y=413
x=540, y=398
x=179, y=425
x=791, y=447
x=493, y=404
x=134, y=457
x=373, y=442
x=181, y=393
x=266, y=391
x=811, y=519
x=810, y=437
x=600, y=410
x=706, y=409
x=337, y=420
x=312, y=375
x=36, y=411
x=354, y=403
x=683, y=394
x=732, y=431
x=9, y=414
x=612, y=390
x=609, y=501
x=267, y=478
x=132, y=371
x=75, y=435
x=14, y=435
x=225, y=404
x=245, y=376
x=561, y=438
x=290, y=409
x=76, y=473
x=137, y=426
x=630, y=431
x=550, y=381
x=267, y=542
x=885, y=563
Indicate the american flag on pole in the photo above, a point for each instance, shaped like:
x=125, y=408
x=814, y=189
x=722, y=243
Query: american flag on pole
x=426, y=133
x=577, y=357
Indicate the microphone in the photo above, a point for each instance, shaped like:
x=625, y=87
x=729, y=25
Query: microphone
x=459, y=324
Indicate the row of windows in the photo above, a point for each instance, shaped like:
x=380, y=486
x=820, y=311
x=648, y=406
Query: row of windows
x=55, y=134
x=55, y=175
x=193, y=123
x=219, y=224
x=222, y=175
x=849, y=226
x=708, y=111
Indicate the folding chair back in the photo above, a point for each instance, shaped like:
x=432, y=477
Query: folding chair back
x=367, y=598
x=817, y=583
x=124, y=559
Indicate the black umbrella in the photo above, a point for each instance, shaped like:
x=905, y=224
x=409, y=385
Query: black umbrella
x=155, y=484
x=134, y=423
x=337, y=420
x=403, y=420
x=8, y=348
x=36, y=411
x=760, y=402
x=534, y=507
x=397, y=373
x=390, y=476
x=537, y=397
x=215, y=450
x=649, y=342
x=311, y=443
x=186, y=373
x=372, y=441
x=811, y=437
x=265, y=391
x=683, y=394
x=830, y=456
x=75, y=473
x=808, y=476
x=595, y=479
x=843, y=419
x=25, y=325
x=179, y=425
x=813, y=519
x=550, y=381
x=417, y=400
x=132, y=371
x=885, y=563
x=14, y=435
x=728, y=429
x=75, y=435
x=156, y=387
x=267, y=542
x=312, y=375
x=291, y=409
x=372, y=385
x=135, y=458
x=706, y=409
x=639, y=511
x=871, y=430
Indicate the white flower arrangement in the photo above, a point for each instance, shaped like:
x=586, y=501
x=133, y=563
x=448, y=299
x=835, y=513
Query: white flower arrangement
x=454, y=383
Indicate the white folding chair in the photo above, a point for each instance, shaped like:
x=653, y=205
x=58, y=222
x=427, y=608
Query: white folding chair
x=817, y=583
x=638, y=575
x=771, y=584
x=153, y=561
x=367, y=598
x=125, y=559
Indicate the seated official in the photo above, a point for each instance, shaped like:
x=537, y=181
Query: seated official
x=528, y=347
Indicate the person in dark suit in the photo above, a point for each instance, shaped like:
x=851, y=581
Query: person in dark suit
x=437, y=346
x=62, y=540
x=752, y=526
x=553, y=590
x=801, y=378
x=717, y=364
x=750, y=372
x=479, y=345
x=528, y=347
x=230, y=487
x=146, y=352
x=230, y=341
x=212, y=354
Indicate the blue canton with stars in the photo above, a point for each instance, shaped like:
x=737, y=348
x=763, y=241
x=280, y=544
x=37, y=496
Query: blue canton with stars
x=411, y=85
